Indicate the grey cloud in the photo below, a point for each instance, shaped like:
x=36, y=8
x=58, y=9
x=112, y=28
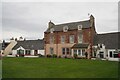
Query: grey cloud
x=32, y=18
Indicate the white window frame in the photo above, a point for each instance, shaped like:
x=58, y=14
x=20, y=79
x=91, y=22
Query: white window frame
x=79, y=38
x=65, y=51
x=72, y=38
x=113, y=52
x=63, y=39
x=65, y=28
x=51, y=30
x=80, y=27
x=51, y=39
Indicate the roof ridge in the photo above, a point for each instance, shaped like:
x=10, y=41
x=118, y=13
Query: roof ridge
x=71, y=22
x=108, y=33
x=32, y=40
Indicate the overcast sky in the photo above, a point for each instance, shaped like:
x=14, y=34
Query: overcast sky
x=30, y=19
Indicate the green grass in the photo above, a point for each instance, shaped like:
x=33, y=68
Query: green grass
x=58, y=68
x=0, y=69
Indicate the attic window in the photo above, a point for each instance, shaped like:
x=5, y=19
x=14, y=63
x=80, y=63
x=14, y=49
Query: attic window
x=65, y=28
x=52, y=30
x=80, y=27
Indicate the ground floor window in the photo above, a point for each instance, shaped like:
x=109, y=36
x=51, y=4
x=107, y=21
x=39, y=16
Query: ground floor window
x=27, y=52
x=51, y=51
x=79, y=52
x=75, y=51
x=20, y=52
x=83, y=52
x=65, y=51
x=101, y=54
x=113, y=54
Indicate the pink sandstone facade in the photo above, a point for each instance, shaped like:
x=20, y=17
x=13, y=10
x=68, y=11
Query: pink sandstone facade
x=70, y=38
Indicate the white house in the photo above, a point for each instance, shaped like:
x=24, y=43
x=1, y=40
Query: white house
x=28, y=48
x=106, y=46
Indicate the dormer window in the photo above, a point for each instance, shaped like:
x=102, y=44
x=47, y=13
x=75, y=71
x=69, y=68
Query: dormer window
x=100, y=45
x=51, y=30
x=65, y=29
x=80, y=27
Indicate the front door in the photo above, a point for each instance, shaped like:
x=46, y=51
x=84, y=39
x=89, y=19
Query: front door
x=36, y=52
x=101, y=54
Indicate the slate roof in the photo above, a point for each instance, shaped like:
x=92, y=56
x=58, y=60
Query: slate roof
x=5, y=44
x=80, y=45
x=110, y=40
x=71, y=26
x=30, y=44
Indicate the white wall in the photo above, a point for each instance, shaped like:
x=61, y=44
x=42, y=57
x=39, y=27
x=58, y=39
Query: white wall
x=101, y=50
x=14, y=52
x=41, y=52
x=32, y=52
x=112, y=58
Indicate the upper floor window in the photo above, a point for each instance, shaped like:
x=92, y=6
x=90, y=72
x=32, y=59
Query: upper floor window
x=63, y=39
x=51, y=30
x=80, y=38
x=65, y=28
x=80, y=27
x=71, y=38
x=51, y=39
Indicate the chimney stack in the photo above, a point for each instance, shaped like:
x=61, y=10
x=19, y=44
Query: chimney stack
x=50, y=24
x=91, y=20
x=12, y=39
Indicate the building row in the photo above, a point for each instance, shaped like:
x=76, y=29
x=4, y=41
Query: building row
x=67, y=39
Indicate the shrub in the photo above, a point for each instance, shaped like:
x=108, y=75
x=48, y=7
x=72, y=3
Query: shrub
x=59, y=56
x=48, y=55
x=54, y=56
x=40, y=55
x=83, y=57
x=75, y=56
x=65, y=56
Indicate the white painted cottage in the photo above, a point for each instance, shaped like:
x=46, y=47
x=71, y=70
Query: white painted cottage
x=28, y=48
x=107, y=46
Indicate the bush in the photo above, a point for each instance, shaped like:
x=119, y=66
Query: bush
x=65, y=56
x=40, y=55
x=54, y=56
x=48, y=55
x=75, y=56
x=59, y=56
x=21, y=55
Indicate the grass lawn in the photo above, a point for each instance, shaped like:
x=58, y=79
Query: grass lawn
x=58, y=68
x=0, y=69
